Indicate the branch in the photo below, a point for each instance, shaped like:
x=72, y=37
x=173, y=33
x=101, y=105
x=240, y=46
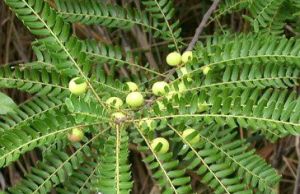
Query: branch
x=198, y=32
x=297, y=181
x=194, y=40
x=202, y=24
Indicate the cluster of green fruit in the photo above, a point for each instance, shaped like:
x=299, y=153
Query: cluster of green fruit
x=161, y=145
x=135, y=99
x=176, y=59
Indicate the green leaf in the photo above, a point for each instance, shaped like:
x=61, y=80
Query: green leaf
x=7, y=105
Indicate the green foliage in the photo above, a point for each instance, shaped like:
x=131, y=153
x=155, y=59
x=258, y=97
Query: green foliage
x=253, y=76
x=247, y=49
x=7, y=105
x=231, y=5
x=80, y=180
x=234, y=160
x=40, y=132
x=113, y=55
x=164, y=167
x=113, y=174
x=44, y=22
x=92, y=12
x=162, y=12
x=39, y=82
x=30, y=110
x=249, y=85
x=272, y=113
x=268, y=16
x=264, y=12
x=55, y=169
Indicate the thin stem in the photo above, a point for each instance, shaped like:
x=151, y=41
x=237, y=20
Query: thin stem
x=117, y=159
x=202, y=24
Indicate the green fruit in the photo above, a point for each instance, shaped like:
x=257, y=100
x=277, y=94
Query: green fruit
x=202, y=107
x=189, y=131
x=132, y=86
x=158, y=88
x=148, y=122
x=173, y=59
x=76, y=135
x=118, y=115
x=77, y=88
x=186, y=56
x=115, y=102
x=135, y=99
x=205, y=70
x=165, y=145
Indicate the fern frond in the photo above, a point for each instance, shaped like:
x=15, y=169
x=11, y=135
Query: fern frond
x=43, y=21
x=251, y=76
x=264, y=12
x=59, y=144
x=229, y=6
x=39, y=82
x=246, y=49
x=166, y=170
x=103, y=54
x=295, y=3
x=113, y=174
x=111, y=16
x=276, y=25
x=55, y=169
x=108, y=87
x=80, y=181
x=107, y=53
x=41, y=132
x=86, y=111
x=162, y=11
x=50, y=62
x=113, y=55
x=218, y=157
x=206, y=162
x=30, y=110
x=234, y=83
x=274, y=114
x=36, y=65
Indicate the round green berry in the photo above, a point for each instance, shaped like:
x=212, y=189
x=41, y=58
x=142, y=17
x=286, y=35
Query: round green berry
x=202, y=107
x=76, y=135
x=158, y=88
x=173, y=59
x=186, y=56
x=118, y=115
x=189, y=131
x=148, y=122
x=115, y=102
x=135, y=99
x=205, y=70
x=77, y=87
x=164, y=145
x=132, y=86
